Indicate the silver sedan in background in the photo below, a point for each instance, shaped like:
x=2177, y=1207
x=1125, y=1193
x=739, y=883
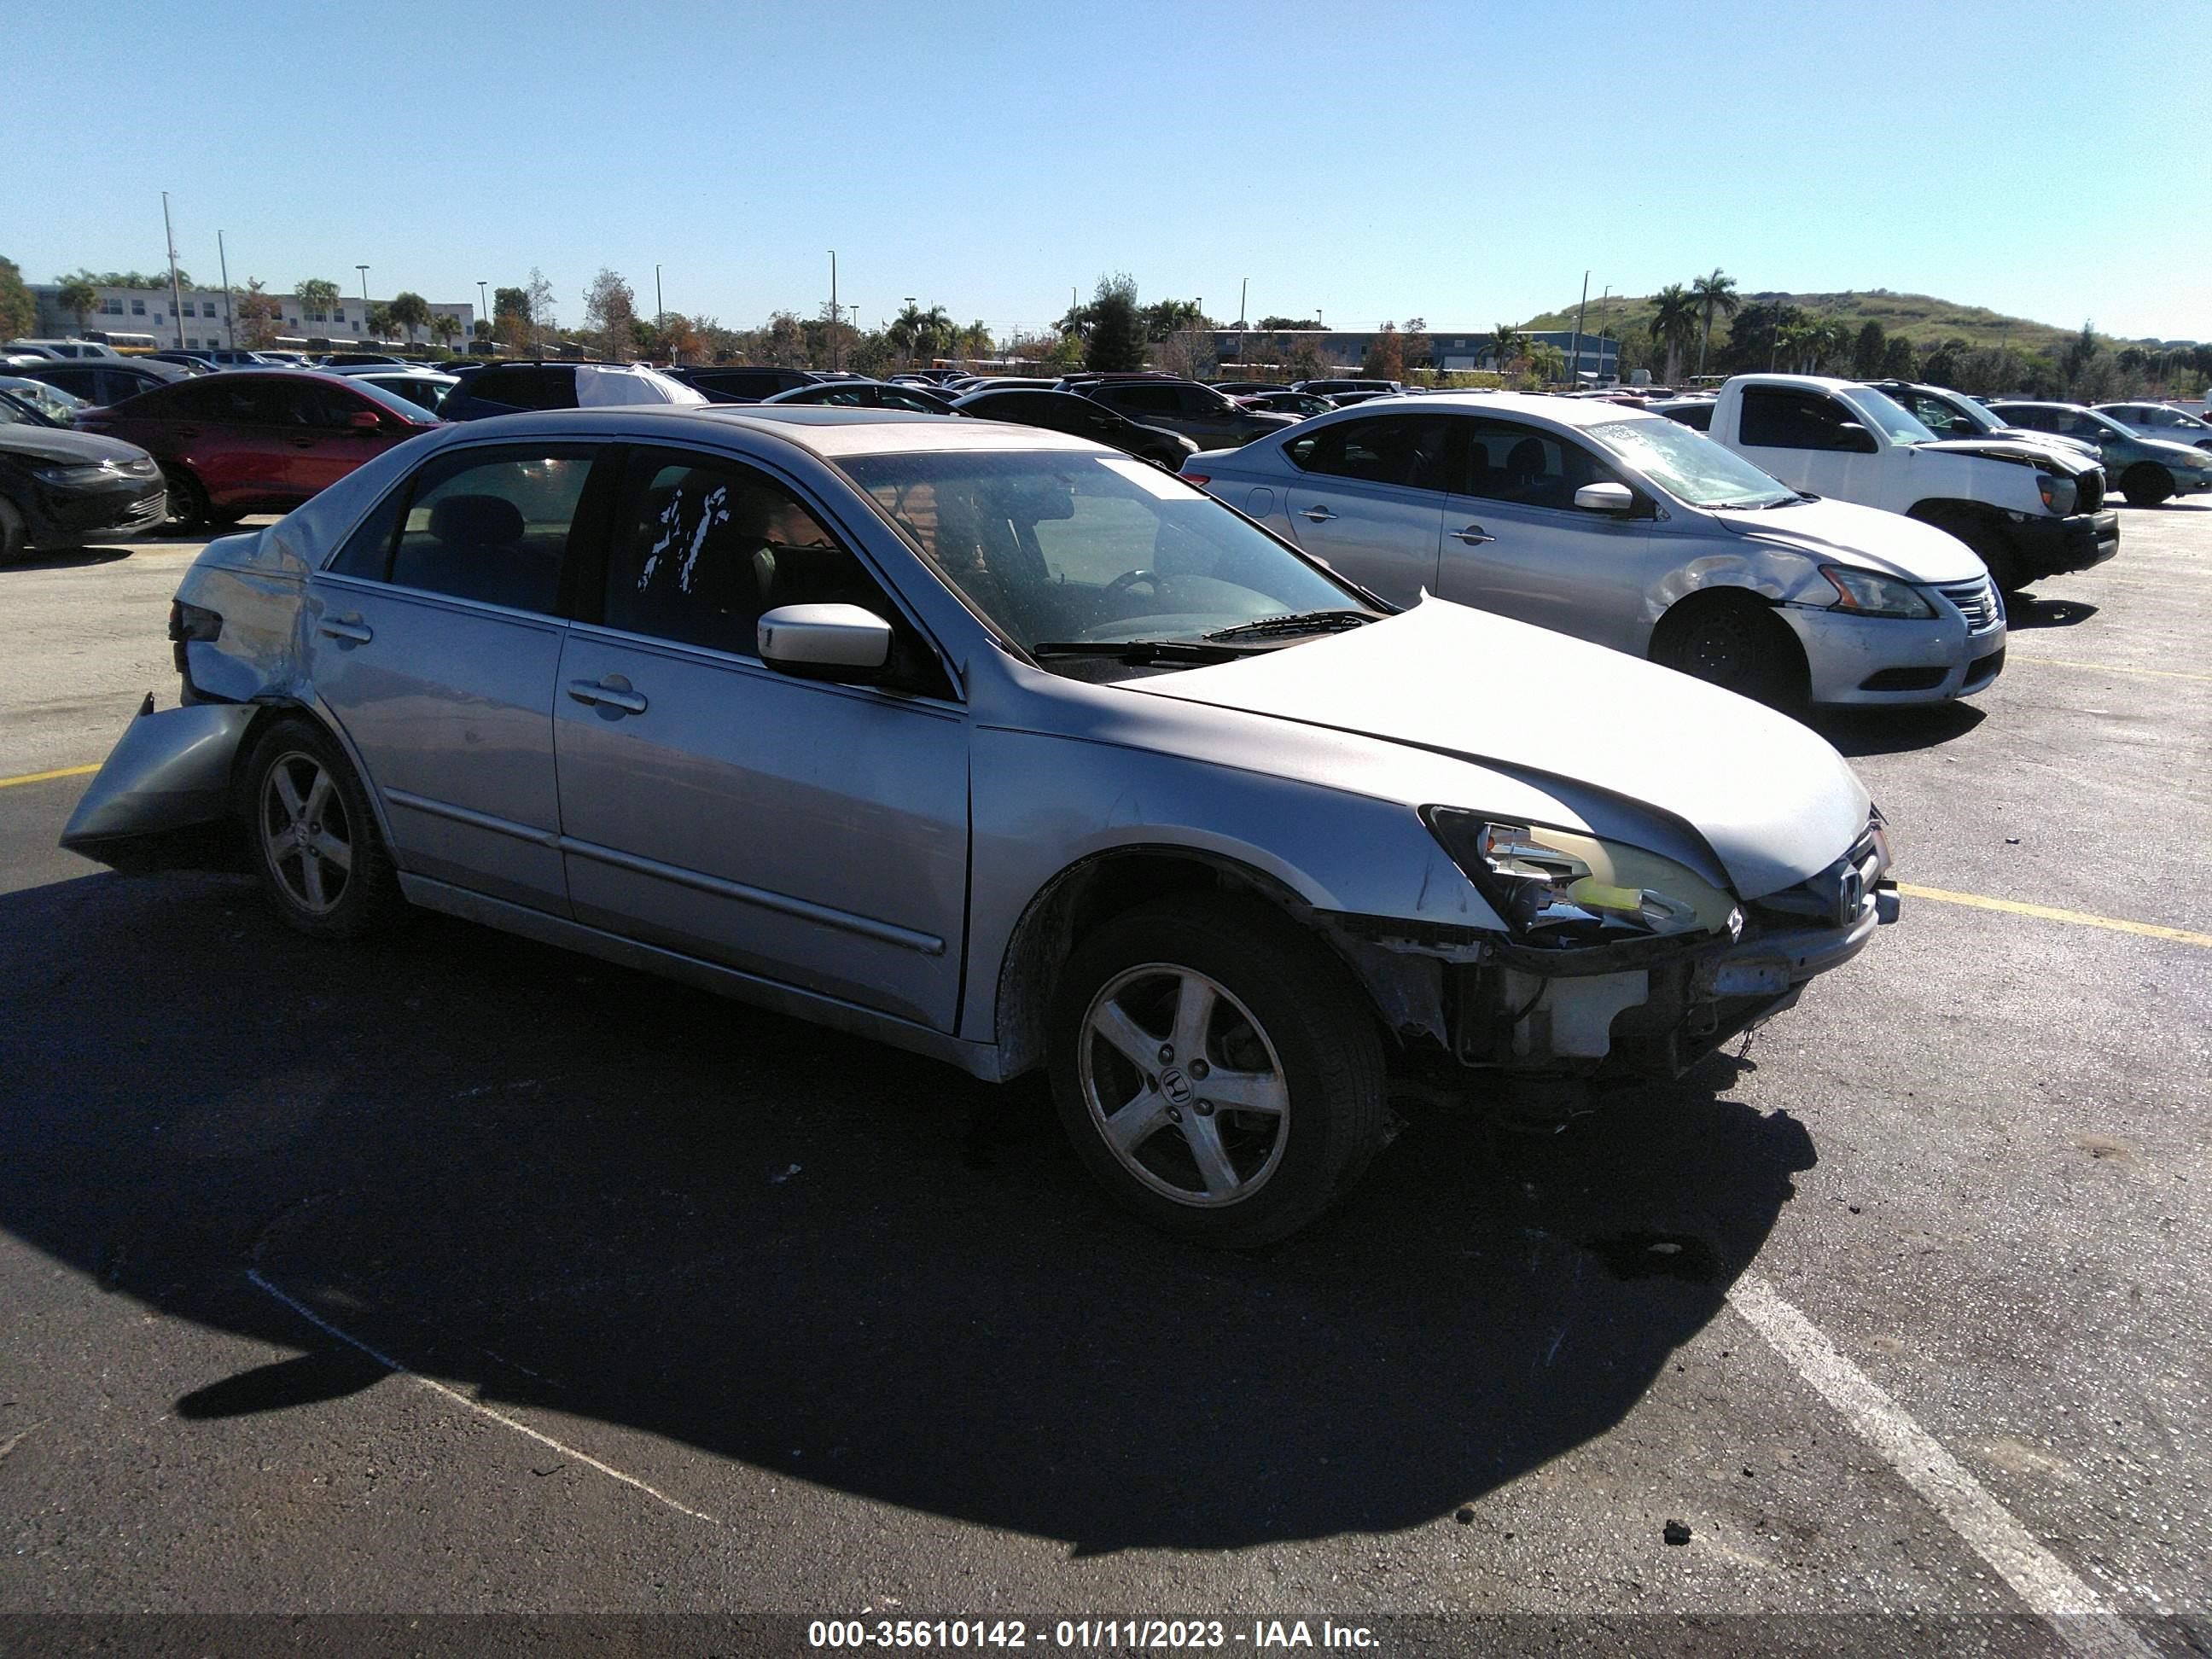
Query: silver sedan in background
x=1629, y=529
x=1007, y=749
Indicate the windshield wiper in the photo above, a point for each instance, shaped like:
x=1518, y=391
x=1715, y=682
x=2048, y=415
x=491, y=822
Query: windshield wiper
x=1137, y=653
x=1299, y=622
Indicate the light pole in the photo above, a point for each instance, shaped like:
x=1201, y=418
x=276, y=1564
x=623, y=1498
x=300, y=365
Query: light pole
x=223, y=259
x=176, y=299
x=483, y=306
x=1243, y=289
x=833, y=310
x=910, y=337
x=364, y=269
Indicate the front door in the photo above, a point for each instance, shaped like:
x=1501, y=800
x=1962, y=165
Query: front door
x=1515, y=544
x=324, y=443
x=811, y=833
x=1812, y=442
x=1368, y=497
x=434, y=641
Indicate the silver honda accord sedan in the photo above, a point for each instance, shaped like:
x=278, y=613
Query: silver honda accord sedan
x=1011, y=750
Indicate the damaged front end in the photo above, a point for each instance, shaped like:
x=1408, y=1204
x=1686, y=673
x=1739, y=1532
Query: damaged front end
x=161, y=801
x=1616, y=966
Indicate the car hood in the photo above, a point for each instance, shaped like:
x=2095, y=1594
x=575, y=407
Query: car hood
x=2176, y=454
x=1771, y=799
x=2023, y=452
x=1867, y=537
x=59, y=444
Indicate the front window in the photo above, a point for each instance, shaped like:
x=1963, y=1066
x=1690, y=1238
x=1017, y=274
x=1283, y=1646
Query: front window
x=1055, y=547
x=1688, y=465
x=1882, y=413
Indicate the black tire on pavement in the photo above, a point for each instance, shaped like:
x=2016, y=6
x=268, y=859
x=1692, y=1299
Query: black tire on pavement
x=14, y=534
x=1731, y=639
x=313, y=834
x=1989, y=545
x=2145, y=484
x=1273, y=1104
x=188, y=500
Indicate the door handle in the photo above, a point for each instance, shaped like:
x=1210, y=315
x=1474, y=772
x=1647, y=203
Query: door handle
x=1474, y=535
x=1317, y=514
x=608, y=697
x=346, y=627
x=302, y=443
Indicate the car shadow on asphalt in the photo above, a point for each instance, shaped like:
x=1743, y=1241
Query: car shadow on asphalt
x=566, y=1186
x=75, y=558
x=1859, y=733
x=2026, y=612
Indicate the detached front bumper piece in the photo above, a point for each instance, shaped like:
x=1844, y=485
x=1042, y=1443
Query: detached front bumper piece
x=161, y=799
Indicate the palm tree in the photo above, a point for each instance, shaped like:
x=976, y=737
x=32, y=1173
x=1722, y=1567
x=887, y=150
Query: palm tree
x=79, y=297
x=410, y=311
x=1504, y=343
x=1716, y=293
x=443, y=327
x=1674, y=324
x=318, y=297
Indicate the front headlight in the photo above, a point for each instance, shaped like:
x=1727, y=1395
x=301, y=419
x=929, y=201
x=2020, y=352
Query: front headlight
x=1865, y=595
x=78, y=477
x=1563, y=888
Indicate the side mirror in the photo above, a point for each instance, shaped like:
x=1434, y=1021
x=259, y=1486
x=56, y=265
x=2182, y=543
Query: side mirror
x=1605, y=498
x=1852, y=437
x=825, y=641
x=365, y=420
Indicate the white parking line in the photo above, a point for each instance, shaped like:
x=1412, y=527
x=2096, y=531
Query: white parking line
x=478, y=1406
x=2078, y=1616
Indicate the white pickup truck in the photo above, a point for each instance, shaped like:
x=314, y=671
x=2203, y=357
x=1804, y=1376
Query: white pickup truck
x=2029, y=512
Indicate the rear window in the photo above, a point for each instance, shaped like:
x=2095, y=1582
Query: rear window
x=547, y=386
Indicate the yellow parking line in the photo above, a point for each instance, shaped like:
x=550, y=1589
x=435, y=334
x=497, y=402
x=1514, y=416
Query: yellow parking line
x=41, y=777
x=2044, y=912
x=2109, y=668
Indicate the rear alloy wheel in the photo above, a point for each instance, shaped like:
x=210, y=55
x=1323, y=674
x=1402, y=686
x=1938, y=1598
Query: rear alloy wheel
x=1731, y=640
x=315, y=841
x=1216, y=1070
x=2145, y=484
x=188, y=499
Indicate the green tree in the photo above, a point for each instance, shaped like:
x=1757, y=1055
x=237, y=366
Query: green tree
x=1547, y=364
x=1505, y=347
x=1900, y=361
x=254, y=317
x=610, y=308
x=443, y=327
x=410, y=311
x=1116, y=344
x=510, y=318
x=1286, y=325
x=380, y=325
x=1873, y=344
x=318, y=298
x=1385, y=360
x=1674, y=324
x=18, y=311
x=1166, y=317
x=1715, y=292
x=78, y=298
x=1414, y=349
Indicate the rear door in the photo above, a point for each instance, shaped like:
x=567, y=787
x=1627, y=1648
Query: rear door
x=1515, y=544
x=1368, y=497
x=811, y=833
x=434, y=638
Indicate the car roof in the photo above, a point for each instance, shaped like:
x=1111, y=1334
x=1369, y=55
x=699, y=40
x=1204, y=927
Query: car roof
x=828, y=433
x=1536, y=405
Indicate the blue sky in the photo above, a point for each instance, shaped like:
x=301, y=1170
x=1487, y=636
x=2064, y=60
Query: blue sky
x=1370, y=161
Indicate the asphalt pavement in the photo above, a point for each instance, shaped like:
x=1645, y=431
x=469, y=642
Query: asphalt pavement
x=453, y=1274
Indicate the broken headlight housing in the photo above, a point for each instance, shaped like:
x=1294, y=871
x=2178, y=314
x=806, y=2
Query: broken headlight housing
x=1566, y=888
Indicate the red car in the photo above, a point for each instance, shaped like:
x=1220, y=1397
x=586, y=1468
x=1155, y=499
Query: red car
x=242, y=442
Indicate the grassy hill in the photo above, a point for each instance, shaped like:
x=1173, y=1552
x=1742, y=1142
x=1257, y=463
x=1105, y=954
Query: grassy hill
x=1920, y=317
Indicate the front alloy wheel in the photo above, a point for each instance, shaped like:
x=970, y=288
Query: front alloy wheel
x=1183, y=1087
x=307, y=841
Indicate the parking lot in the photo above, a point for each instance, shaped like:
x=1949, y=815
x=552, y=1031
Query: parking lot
x=453, y=1274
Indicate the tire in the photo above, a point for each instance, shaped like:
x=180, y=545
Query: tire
x=308, y=819
x=1989, y=545
x=1275, y=1013
x=1732, y=640
x=14, y=534
x=188, y=499
x=2146, y=485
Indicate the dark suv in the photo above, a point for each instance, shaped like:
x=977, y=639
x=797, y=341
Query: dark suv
x=1062, y=411
x=1198, y=412
x=733, y=383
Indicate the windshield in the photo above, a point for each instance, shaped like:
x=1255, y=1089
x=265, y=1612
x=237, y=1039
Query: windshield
x=1688, y=465
x=50, y=401
x=1059, y=546
x=392, y=401
x=1884, y=414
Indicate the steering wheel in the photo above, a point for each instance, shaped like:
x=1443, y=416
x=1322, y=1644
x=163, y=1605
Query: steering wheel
x=1128, y=579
